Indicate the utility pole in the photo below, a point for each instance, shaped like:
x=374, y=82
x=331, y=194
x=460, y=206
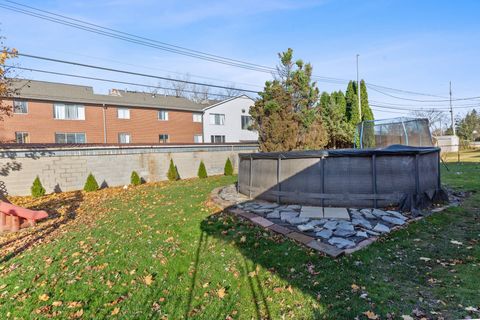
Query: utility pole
x=451, y=110
x=359, y=94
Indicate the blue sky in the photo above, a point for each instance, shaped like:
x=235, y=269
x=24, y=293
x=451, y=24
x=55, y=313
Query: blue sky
x=411, y=45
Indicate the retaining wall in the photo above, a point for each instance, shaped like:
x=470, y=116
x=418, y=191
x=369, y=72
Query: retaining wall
x=63, y=168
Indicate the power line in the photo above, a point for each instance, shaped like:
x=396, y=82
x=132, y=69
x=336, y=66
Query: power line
x=94, y=28
x=129, y=37
x=406, y=91
x=109, y=80
x=133, y=73
x=417, y=100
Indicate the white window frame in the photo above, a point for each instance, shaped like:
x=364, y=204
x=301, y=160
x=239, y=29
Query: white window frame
x=23, y=135
x=160, y=140
x=165, y=112
x=197, y=117
x=198, y=138
x=126, y=134
x=61, y=111
x=65, y=134
x=213, y=137
x=123, y=113
x=249, y=121
x=24, y=103
x=217, y=116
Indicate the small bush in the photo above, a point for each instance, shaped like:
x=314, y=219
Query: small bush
x=202, y=171
x=135, y=179
x=37, y=189
x=173, y=172
x=228, y=170
x=91, y=184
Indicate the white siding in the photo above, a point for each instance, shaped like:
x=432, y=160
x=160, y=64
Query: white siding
x=233, y=110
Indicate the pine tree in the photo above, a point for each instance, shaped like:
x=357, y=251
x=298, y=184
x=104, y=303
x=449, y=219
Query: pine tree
x=172, y=174
x=37, y=189
x=135, y=179
x=91, y=184
x=286, y=116
x=228, y=170
x=202, y=171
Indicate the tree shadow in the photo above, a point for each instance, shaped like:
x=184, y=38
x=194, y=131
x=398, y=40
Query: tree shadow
x=29, y=237
x=269, y=251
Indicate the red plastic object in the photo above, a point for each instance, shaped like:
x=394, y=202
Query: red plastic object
x=12, y=217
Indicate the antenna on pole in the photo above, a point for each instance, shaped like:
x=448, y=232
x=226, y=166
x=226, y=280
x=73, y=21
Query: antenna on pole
x=359, y=94
x=451, y=110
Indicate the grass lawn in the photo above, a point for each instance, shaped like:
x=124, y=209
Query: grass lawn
x=157, y=251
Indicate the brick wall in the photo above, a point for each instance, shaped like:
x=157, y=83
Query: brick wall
x=66, y=169
x=143, y=125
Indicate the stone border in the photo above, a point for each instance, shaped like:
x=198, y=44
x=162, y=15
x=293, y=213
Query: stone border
x=298, y=236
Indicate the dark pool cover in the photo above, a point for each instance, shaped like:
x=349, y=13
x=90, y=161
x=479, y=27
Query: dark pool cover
x=396, y=149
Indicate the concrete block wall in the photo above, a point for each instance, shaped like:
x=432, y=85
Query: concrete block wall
x=66, y=169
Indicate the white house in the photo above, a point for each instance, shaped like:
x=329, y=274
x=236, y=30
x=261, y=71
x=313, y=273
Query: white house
x=229, y=121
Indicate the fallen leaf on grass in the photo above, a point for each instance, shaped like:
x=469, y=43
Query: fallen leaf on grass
x=43, y=297
x=57, y=303
x=355, y=288
x=370, y=315
x=221, y=293
x=243, y=239
x=77, y=314
x=471, y=309
x=456, y=242
x=148, y=279
x=115, y=311
x=425, y=259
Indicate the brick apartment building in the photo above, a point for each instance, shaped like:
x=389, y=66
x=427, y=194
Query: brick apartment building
x=46, y=112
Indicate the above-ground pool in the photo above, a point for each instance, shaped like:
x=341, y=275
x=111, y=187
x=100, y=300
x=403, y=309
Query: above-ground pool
x=356, y=178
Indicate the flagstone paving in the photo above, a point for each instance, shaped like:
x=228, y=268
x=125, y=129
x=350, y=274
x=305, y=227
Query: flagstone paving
x=340, y=228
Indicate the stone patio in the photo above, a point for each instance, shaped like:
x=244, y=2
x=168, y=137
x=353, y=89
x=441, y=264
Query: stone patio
x=333, y=231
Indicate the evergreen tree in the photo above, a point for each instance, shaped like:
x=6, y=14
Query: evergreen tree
x=367, y=113
x=352, y=103
x=228, y=170
x=202, y=171
x=172, y=174
x=37, y=188
x=468, y=128
x=135, y=179
x=91, y=184
x=286, y=115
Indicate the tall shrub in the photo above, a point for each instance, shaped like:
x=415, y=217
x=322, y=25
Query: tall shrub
x=91, y=184
x=135, y=179
x=202, y=171
x=228, y=170
x=37, y=189
x=172, y=174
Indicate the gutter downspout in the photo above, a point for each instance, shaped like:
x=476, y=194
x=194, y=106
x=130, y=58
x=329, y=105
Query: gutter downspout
x=104, y=124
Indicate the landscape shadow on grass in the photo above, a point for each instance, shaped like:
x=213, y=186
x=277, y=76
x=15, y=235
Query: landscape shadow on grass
x=23, y=242
x=274, y=252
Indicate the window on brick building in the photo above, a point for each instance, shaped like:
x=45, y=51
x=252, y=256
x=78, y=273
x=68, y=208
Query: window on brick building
x=63, y=111
x=22, y=137
x=123, y=113
x=198, y=138
x=164, y=138
x=20, y=106
x=70, y=137
x=197, y=117
x=124, y=138
x=163, y=115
